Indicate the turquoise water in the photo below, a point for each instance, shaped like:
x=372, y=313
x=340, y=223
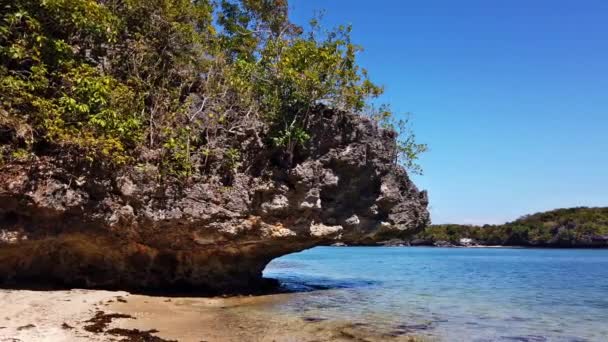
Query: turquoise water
x=453, y=294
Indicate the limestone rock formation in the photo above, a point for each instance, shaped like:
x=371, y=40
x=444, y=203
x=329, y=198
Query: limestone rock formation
x=69, y=223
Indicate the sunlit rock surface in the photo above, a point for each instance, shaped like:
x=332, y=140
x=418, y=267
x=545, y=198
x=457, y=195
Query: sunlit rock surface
x=69, y=223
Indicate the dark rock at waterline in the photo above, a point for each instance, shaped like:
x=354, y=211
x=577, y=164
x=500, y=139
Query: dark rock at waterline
x=442, y=243
x=67, y=222
x=421, y=242
x=599, y=238
x=394, y=243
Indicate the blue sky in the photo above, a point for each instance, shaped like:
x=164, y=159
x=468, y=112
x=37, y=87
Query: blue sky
x=510, y=96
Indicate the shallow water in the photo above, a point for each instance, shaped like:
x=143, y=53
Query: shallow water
x=451, y=294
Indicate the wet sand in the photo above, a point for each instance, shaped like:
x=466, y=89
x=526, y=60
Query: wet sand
x=63, y=316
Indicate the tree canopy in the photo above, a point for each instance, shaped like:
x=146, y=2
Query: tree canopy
x=560, y=227
x=112, y=78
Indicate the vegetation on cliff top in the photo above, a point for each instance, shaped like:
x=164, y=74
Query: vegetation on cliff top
x=171, y=82
x=562, y=227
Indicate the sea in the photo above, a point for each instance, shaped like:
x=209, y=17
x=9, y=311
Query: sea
x=451, y=294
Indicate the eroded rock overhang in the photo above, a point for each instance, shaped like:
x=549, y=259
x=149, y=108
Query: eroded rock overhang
x=70, y=224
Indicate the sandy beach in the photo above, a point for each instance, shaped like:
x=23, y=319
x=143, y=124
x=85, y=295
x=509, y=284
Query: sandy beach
x=50, y=315
x=90, y=315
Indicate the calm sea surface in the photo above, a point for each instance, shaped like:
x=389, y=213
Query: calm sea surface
x=453, y=294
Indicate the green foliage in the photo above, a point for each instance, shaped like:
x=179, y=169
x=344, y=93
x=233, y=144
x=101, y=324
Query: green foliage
x=295, y=135
x=408, y=149
x=51, y=82
x=114, y=78
x=232, y=156
x=287, y=71
x=176, y=159
x=567, y=227
x=20, y=154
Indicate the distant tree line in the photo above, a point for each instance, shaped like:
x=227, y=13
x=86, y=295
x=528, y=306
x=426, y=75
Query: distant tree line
x=573, y=227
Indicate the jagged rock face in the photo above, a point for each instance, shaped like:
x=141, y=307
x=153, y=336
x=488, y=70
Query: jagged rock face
x=63, y=223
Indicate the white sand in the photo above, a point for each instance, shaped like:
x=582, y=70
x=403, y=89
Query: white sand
x=47, y=311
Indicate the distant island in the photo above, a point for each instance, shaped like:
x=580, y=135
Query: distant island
x=563, y=228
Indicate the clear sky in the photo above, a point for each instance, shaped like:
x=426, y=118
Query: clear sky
x=510, y=96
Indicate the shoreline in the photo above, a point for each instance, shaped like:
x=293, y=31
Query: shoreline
x=344, y=304
x=479, y=246
x=99, y=315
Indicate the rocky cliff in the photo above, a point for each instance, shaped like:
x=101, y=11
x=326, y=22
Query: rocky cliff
x=72, y=223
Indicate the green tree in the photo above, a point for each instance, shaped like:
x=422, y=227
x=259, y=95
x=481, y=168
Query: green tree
x=171, y=82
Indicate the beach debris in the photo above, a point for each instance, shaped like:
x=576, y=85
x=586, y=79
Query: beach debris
x=101, y=320
x=29, y=326
x=314, y=319
x=136, y=335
